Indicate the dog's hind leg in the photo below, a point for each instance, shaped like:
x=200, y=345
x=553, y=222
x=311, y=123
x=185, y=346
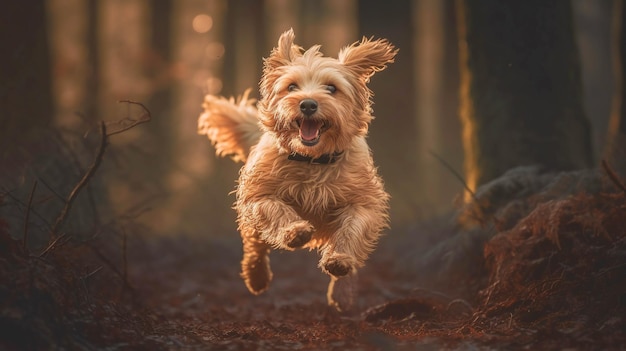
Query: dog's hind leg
x=255, y=265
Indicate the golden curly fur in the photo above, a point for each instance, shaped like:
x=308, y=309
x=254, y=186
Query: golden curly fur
x=311, y=106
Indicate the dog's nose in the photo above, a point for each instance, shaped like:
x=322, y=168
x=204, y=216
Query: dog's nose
x=308, y=106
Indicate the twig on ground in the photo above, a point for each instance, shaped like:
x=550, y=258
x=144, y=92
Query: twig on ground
x=124, y=257
x=27, y=217
x=83, y=281
x=89, y=275
x=461, y=302
x=609, y=269
x=613, y=176
x=112, y=267
x=53, y=244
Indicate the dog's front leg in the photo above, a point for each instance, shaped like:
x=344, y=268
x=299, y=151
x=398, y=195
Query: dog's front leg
x=277, y=223
x=347, y=249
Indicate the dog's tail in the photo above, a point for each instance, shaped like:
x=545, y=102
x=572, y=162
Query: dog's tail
x=231, y=124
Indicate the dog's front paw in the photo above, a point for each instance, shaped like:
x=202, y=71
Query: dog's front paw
x=298, y=234
x=338, y=265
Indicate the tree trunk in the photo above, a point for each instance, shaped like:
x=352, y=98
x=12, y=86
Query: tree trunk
x=159, y=62
x=616, y=147
x=430, y=40
x=93, y=58
x=521, y=90
x=245, y=42
x=26, y=103
x=392, y=134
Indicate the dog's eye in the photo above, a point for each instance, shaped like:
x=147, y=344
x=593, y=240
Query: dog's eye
x=331, y=88
x=292, y=87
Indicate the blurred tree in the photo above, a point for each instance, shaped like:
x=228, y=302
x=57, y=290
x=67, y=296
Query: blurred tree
x=521, y=90
x=245, y=38
x=616, y=147
x=159, y=59
x=26, y=101
x=93, y=61
x=436, y=103
x=280, y=15
x=393, y=134
x=593, y=35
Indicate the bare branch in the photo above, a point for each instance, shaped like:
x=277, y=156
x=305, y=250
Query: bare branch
x=8, y=193
x=613, y=176
x=125, y=124
x=56, y=194
x=86, y=177
x=455, y=174
x=116, y=128
x=27, y=215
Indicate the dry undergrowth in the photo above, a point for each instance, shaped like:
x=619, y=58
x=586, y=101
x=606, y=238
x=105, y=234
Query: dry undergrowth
x=561, y=272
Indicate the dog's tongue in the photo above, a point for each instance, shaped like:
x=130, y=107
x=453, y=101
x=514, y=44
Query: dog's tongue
x=309, y=129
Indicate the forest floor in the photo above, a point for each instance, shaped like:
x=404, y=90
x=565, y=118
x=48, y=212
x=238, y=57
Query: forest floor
x=556, y=279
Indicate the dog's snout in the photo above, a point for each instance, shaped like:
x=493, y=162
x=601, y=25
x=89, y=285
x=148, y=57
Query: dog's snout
x=308, y=106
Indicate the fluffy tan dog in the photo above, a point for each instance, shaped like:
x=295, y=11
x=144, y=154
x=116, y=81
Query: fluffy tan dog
x=309, y=180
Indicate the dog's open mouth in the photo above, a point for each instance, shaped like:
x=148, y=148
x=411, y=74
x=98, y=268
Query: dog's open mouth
x=310, y=130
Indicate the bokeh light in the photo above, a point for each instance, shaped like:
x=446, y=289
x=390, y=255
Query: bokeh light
x=213, y=85
x=202, y=23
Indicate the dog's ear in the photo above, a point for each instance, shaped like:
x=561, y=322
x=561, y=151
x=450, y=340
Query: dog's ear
x=367, y=56
x=284, y=53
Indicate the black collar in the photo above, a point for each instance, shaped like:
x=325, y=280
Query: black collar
x=325, y=159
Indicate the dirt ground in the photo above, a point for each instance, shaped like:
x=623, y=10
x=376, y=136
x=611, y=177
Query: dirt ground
x=554, y=279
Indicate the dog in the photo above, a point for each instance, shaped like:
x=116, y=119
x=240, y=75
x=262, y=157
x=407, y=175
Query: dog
x=308, y=179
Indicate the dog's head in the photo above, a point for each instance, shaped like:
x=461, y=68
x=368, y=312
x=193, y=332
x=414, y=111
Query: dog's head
x=315, y=105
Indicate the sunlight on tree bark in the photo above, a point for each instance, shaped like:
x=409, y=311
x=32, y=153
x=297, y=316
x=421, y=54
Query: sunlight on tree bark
x=429, y=41
x=466, y=109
